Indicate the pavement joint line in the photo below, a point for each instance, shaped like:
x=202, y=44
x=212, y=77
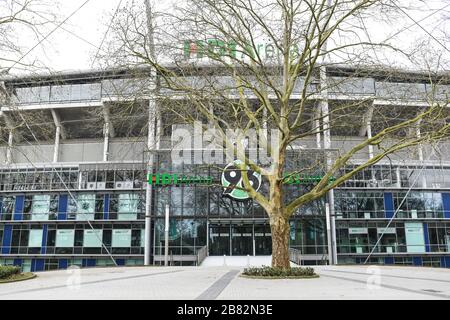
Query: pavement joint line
x=386, y=275
x=87, y=283
x=387, y=286
x=217, y=287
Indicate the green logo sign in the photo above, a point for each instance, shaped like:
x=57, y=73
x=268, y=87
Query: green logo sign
x=166, y=179
x=304, y=180
x=233, y=182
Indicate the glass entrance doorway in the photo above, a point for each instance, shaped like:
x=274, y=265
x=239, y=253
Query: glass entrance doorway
x=242, y=240
x=239, y=238
x=263, y=240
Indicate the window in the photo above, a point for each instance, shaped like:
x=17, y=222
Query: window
x=40, y=207
x=359, y=204
x=128, y=206
x=60, y=93
x=419, y=204
x=35, y=238
x=142, y=237
x=414, y=237
x=7, y=207
x=92, y=238
x=121, y=238
x=84, y=208
x=65, y=238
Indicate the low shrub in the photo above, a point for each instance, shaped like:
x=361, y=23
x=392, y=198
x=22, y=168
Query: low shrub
x=279, y=272
x=8, y=271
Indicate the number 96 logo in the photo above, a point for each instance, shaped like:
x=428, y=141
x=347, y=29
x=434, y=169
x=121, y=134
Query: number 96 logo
x=234, y=184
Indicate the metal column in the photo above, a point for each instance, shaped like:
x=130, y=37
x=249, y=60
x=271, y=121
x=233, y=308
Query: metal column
x=151, y=141
x=166, y=237
x=57, y=142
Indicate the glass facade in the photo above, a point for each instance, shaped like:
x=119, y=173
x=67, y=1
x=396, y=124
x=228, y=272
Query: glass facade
x=359, y=204
x=48, y=229
x=54, y=224
x=78, y=92
x=44, y=226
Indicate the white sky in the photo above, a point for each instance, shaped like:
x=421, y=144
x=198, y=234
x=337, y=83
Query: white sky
x=65, y=51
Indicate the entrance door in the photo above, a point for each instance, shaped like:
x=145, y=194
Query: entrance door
x=242, y=240
x=239, y=239
x=219, y=243
x=263, y=240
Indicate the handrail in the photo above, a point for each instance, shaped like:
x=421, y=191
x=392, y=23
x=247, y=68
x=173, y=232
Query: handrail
x=324, y=259
x=201, y=255
x=295, y=256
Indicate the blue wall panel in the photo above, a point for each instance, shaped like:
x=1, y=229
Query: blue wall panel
x=120, y=262
x=388, y=260
x=62, y=207
x=17, y=262
x=106, y=207
x=447, y=262
x=417, y=261
x=425, y=236
x=37, y=265
x=388, y=205
x=88, y=263
x=63, y=263
x=44, y=239
x=7, y=236
x=18, y=208
x=40, y=264
x=446, y=201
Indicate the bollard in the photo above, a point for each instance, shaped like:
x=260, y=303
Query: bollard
x=224, y=260
x=248, y=261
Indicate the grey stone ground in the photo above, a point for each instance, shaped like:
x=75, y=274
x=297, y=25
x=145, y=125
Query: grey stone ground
x=178, y=283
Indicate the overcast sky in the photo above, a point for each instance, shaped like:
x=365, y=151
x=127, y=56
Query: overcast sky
x=73, y=46
x=70, y=50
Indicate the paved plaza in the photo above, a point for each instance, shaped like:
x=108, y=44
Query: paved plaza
x=224, y=283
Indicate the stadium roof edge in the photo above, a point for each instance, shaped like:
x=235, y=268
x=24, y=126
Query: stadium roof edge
x=383, y=72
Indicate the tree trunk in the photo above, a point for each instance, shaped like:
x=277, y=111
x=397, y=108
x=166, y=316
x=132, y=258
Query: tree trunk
x=280, y=242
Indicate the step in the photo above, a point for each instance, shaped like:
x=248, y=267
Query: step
x=237, y=261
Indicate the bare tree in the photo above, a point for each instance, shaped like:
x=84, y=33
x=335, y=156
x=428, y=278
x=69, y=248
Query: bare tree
x=19, y=20
x=261, y=65
x=23, y=22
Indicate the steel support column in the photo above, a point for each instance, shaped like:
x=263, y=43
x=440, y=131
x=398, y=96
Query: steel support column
x=57, y=142
x=106, y=142
x=151, y=146
x=59, y=133
x=329, y=212
x=10, y=146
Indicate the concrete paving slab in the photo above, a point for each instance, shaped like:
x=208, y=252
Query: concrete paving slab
x=189, y=283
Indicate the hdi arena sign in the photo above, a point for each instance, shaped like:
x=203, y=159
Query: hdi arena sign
x=198, y=49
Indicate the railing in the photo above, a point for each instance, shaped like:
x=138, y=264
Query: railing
x=192, y=255
x=324, y=259
x=295, y=256
x=201, y=255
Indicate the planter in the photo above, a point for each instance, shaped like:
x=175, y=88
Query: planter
x=279, y=277
x=279, y=273
x=19, y=277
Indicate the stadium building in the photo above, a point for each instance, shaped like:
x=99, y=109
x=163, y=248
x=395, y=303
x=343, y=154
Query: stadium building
x=74, y=190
